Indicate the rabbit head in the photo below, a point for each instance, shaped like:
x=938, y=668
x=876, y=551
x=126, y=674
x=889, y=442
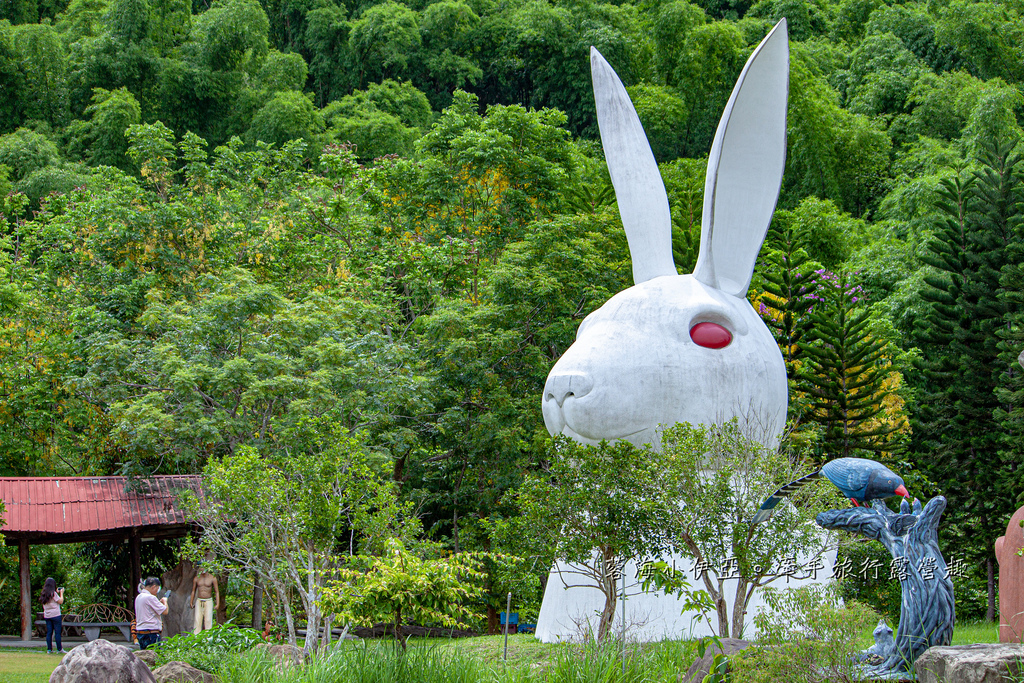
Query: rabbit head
x=683, y=348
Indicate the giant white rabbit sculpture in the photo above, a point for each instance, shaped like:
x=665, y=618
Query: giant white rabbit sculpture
x=678, y=348
x=683, y=348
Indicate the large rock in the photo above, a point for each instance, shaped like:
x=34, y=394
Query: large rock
x=180, y=672
x=101, y=661
x=179, y=617
x=148, y=656
x=702, y=667
x=983, y=663
x=283, y=654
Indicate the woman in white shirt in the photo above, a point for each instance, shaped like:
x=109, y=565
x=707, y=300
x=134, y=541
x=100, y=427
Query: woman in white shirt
x=52, y=598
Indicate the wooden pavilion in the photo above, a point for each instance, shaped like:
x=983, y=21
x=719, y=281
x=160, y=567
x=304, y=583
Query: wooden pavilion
x=47, y=510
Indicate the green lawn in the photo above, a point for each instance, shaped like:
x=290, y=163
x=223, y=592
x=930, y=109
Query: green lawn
x=523, y=649
x=26, y=666
x=33, y=666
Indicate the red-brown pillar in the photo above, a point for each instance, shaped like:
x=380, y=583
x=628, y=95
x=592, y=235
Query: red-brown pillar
x=25, y=579
x=135, y=550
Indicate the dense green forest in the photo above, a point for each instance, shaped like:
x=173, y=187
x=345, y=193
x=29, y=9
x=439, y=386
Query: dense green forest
x=220, y=220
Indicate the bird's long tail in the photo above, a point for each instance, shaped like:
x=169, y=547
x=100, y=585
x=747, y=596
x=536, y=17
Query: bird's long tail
x=768, y=507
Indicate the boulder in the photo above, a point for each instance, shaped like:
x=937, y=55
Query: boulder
x=180, y=672
x=101, y=661
x=982, y=663
x=148, y=656
x=283, y=654
x=702, y=667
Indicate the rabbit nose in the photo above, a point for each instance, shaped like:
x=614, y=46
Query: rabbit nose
x=562, y=386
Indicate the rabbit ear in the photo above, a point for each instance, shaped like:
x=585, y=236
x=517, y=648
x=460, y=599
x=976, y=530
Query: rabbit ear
x=745, y=168
x=643, y=204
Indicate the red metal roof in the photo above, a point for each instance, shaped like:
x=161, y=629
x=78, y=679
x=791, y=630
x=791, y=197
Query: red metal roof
x=82, y=505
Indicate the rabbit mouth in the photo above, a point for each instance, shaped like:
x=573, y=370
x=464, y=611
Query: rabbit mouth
x=590, y=441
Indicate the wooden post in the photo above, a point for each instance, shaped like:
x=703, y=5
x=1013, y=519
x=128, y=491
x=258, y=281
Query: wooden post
x=257, y=604
x=135, y=550
x=25, y=578
x=222, y=606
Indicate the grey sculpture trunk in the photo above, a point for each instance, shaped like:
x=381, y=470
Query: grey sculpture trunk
x=927, y=609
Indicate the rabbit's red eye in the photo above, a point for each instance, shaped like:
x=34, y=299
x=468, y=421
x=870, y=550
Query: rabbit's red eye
x=710, y=335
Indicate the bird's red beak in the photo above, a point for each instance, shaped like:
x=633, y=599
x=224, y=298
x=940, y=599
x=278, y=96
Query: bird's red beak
x=901, y=490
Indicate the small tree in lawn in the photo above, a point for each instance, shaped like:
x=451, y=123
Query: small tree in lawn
x=284, y=517
x=717, y=477
x=398, y=586
x=593, y=507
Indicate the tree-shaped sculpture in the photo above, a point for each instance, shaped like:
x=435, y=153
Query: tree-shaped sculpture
x=927, y=611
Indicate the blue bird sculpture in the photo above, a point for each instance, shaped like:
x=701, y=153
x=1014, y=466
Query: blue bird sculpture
x=859, y=479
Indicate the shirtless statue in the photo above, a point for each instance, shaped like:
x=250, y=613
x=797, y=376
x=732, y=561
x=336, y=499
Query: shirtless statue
x=206, y=590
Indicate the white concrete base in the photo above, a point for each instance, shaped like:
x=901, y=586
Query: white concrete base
x=570, y=614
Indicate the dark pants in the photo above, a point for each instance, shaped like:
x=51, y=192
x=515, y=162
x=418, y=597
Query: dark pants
x=147, y=639
x=53, y=626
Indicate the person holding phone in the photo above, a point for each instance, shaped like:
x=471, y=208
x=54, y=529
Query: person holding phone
x=148, y=610
x=52, y=598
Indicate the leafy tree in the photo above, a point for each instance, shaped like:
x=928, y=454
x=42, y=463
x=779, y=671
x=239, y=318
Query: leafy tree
x=673, y=23
x=43, y=61
x=448, y=63
x=232, y=35
x=851, y=17
x=82, y=19
x=714, y=478
x=284, y=517
x=12, y=83
x=25, y=151
x=403, y=100
x=663, y=115
x=708, y=63
x=283, y=71
x=915, y=26
x=170, y=25
x=354, y=120
x=235, y=368
x=594, y=508
x=289, y=115
x=129, y=21
x=102, y=140
x=386, y=118
x=828, y=234
x=399, y=586
x=881, y=76
x=382, y=40
x=327, y=40
x=832, y=153
x=684, y=184
x=984, y=34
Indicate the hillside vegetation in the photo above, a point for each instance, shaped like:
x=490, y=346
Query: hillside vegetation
x=222, y=221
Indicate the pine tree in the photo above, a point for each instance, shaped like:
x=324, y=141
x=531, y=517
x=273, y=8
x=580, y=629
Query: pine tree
x=844, y=371
x=787, y=282
x=962, y=439
x=937, y=367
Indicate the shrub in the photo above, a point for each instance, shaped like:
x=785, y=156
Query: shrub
x=805, y=635
x=884, y=595
x=206, y=650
